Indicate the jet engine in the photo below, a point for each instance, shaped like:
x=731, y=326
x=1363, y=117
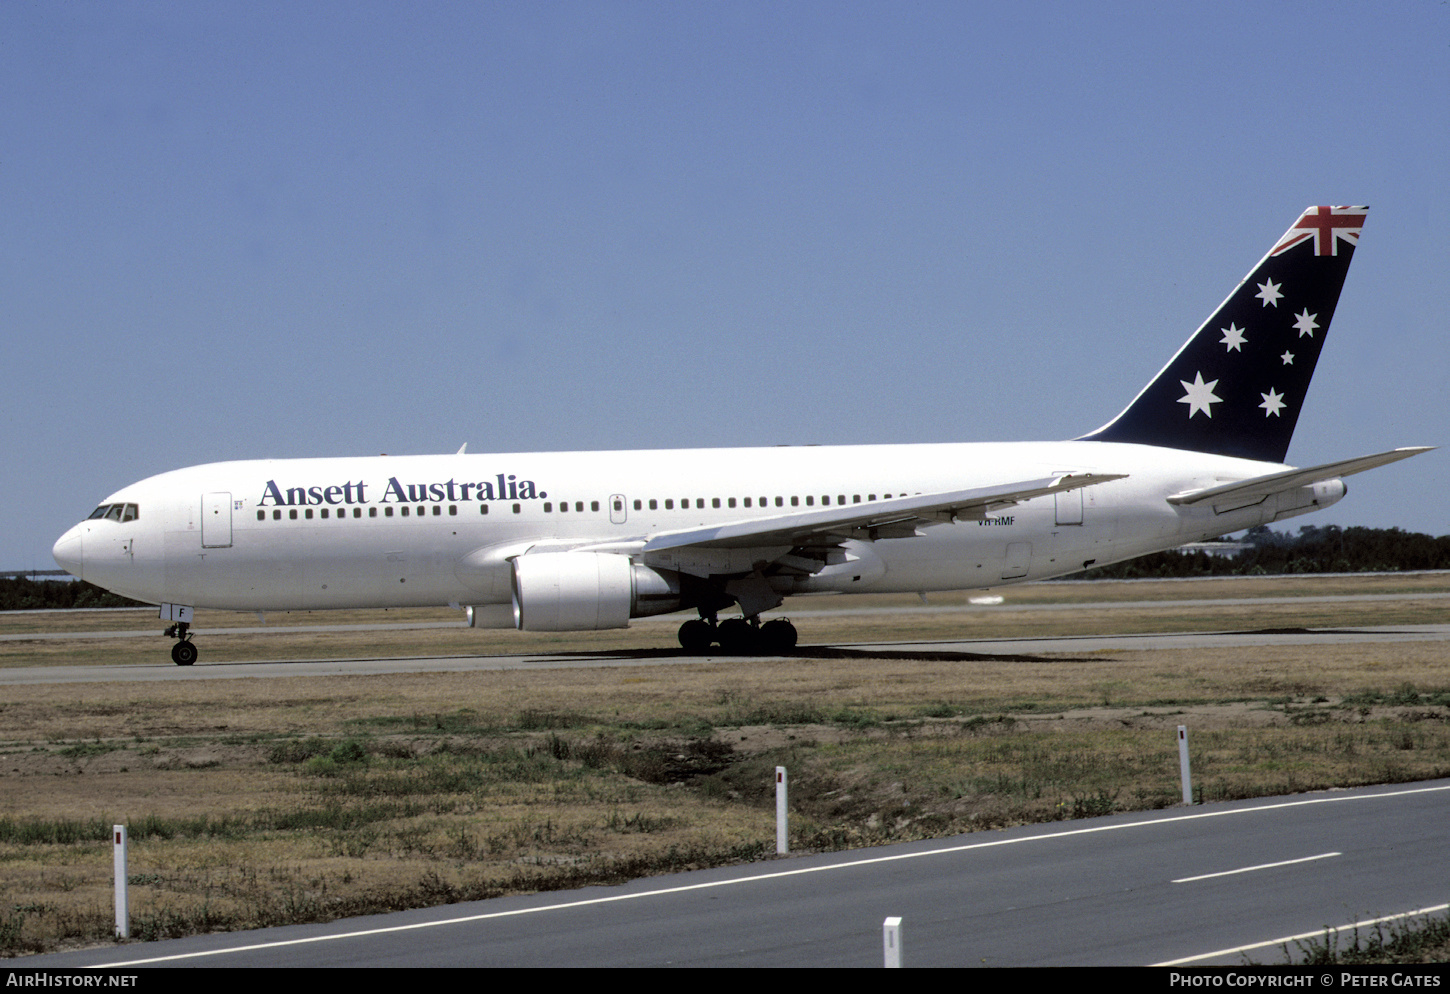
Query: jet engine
x=585, y=591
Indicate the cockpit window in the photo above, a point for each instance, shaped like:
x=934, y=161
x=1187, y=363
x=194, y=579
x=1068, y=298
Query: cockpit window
x=116, y=512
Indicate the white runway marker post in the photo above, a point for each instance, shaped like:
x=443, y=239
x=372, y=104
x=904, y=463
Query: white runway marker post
x=123, y=912
x=1183, y=764
x=782, y=833
x=891, y=943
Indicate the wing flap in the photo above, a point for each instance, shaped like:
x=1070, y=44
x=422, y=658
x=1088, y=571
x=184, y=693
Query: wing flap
x=1260, y=487
x=898, y=517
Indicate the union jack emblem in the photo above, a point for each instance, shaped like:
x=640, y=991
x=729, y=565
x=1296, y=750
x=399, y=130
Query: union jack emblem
x=1326, y=225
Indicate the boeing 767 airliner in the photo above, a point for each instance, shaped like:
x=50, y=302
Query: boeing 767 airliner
x=566, y=541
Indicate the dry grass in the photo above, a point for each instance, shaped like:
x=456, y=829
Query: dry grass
x=255, y=802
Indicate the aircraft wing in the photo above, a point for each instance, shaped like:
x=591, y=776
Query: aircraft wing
x=1251, y=491
x=898, y=517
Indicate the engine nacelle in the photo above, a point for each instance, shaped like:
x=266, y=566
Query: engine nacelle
x=587, y=591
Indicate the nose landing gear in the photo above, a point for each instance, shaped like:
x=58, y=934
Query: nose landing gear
x=183, y=653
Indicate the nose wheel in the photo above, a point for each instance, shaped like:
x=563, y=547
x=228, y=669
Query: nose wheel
x=183, y=653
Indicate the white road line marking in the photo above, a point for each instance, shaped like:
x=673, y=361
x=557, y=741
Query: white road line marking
x=1251, y=869
x=777, y=875
x=1326, y=930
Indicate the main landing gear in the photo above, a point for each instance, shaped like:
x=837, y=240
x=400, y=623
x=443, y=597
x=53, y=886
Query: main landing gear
x=739, y=636
x=183, y=653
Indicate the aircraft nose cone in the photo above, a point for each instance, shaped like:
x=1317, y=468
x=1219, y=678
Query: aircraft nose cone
x=69, y=551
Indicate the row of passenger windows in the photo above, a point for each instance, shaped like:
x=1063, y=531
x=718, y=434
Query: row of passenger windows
x=809, y=500
x=404, y=511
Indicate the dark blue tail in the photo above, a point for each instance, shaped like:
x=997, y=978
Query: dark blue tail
x=1236, y=386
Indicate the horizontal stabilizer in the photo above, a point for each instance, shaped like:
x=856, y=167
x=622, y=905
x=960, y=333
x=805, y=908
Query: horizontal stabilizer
x=1274, y=483
x=898, y=517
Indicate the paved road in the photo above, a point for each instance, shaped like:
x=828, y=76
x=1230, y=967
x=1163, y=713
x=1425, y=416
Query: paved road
x=1204, y=885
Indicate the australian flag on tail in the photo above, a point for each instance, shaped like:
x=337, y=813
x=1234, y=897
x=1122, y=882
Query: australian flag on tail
x=1236, y=387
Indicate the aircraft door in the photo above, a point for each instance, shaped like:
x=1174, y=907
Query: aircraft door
x=617, y=509
x=216, y=521
x=1069, y=507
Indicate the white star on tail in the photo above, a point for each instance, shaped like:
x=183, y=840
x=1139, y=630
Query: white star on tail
x=1306, y=323
x=1273, y=403
x=1269, y=293
x=1288, y=358
x=1199, y=396
x=1233, y=337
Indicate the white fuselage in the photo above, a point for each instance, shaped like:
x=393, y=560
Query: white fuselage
x=385, y=531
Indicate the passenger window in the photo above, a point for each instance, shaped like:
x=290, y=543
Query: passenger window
x=715, y=502
x=483, y=509
x=700, y=503
x=637, y=505
x=669, y=503
x=372, y=512
x=422, y=511
x=731, y=502
x=826, y=500
x=747, y=502
x=292, y=514
x=810, y=501
x=579, y=506
x=841, y=499
x=795, y=502
x=780, y=502
x=276, y=515
x=437, y=511
x=308, y=514
x=404, y=512
x=653, y=504
x=594, y=505
x=357, y=512
x=548, y=507
x=387, y=512
x=324, y=512
x=516, y=509
x=261, y=515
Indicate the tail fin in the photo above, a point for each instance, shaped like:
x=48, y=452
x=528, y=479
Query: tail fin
x=1236, y=386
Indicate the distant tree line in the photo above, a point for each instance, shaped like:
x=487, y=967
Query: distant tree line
x=1315, y=549
x=20, y=594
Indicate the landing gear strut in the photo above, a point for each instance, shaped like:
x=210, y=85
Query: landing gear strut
x=183, y=653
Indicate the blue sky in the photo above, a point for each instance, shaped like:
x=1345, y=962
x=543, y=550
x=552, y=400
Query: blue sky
x=255, y=230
